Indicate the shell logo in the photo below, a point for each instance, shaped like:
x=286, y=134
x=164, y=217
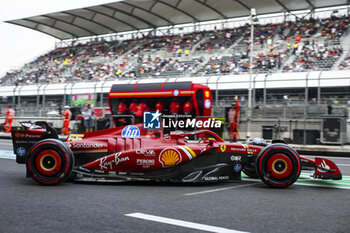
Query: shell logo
x=170, y=157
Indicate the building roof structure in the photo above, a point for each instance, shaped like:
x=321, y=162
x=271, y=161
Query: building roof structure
x=133, y=15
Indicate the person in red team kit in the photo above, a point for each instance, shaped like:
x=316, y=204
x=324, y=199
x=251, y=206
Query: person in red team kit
x=122, y=110
x=174, y=107
x=188, y=107
x=160, y=106
x=67, y=115
x=142, y=107
x=10, y=114
x=133, y=108
x=234, y=118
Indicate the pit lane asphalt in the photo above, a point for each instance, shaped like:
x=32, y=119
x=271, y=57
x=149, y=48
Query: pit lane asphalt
x=26, y=206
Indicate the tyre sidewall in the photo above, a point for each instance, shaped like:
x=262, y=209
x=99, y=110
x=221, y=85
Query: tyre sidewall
x=65, y=154
x=261, y=165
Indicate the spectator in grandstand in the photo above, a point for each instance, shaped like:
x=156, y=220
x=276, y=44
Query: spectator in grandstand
x=345, y=64
x=9, y=115
x=67, y=115
x=88, y=118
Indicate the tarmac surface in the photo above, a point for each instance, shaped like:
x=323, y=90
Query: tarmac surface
x=246, y=206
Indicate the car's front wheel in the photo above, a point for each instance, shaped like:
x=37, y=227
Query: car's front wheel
x=50, y=162
x=278, y=165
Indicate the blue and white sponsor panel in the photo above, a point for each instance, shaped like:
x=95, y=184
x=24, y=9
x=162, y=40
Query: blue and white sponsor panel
x=131, y=131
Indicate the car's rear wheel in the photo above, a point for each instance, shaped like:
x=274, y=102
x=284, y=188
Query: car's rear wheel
x=278, y=165
x=50, y=162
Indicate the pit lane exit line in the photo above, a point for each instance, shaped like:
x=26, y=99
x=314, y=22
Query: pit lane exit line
x=182, y=223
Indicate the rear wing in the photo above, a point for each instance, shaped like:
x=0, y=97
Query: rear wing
x=24, y=137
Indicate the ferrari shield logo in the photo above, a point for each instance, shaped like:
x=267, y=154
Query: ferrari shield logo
x=223, y=148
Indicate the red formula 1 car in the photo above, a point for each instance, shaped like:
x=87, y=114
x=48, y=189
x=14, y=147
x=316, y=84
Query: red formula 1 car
x=132, y=153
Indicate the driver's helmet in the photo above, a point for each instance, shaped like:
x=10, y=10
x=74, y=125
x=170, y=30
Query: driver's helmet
x=258, y=142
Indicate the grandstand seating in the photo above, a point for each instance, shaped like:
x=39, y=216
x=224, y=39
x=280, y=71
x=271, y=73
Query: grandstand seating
x=227, y=51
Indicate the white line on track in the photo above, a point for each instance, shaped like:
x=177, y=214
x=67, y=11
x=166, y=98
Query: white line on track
x=343, y=165
x=326, y=157
x=326, y=186
x=218, y=190
x=182, y=223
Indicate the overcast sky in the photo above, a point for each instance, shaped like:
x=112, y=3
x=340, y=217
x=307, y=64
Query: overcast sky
x=19, y=45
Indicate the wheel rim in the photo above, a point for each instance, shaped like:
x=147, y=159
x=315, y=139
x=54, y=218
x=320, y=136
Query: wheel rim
x=279, y=166
x=48, y=162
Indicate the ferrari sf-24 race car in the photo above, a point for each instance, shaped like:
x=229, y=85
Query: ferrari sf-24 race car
x=131, y=153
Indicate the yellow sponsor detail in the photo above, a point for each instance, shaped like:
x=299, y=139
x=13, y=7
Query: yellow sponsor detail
x=75, y=137
x=170, y=157
x=223, y=148
x=191, y=151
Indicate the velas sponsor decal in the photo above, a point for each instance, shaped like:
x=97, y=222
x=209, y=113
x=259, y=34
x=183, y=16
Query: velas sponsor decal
x=170, y=157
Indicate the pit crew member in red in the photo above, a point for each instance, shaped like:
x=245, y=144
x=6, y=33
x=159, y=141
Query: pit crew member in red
x=174, y=107
x=234, y=118
x=188, y=107
x=122, y=109
x=133, y=107
x=160, y=106
x=10, y=114
x=142, y=107
x=67, y=115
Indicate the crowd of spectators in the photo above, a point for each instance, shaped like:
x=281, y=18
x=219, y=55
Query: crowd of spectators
x=221, y=39
x=308, y=40
x=345, y=64
x=314, y=56
x=158, y=66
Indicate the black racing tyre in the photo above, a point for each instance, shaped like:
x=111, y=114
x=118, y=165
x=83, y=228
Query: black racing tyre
x=278, y=165
x=250, y=170
x=50, y=162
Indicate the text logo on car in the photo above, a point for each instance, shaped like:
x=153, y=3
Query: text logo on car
x=131, y=131
x=151, y=120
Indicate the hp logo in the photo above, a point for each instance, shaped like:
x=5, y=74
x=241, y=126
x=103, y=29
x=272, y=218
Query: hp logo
x=131, y=131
